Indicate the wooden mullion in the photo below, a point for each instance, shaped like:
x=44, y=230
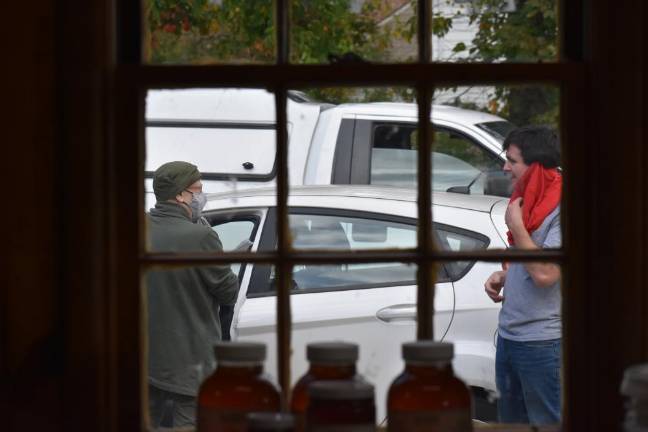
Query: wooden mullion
x=425, y=276
x=128, y=245
x=423, y=33
x=328, y=257
x=283, y=263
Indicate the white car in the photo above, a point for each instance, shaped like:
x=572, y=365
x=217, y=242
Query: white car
x=373, y=305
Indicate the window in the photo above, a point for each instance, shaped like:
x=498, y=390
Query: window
x=424, y=76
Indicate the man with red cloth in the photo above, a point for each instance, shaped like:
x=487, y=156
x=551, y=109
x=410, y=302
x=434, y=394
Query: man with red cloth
x=529, y=333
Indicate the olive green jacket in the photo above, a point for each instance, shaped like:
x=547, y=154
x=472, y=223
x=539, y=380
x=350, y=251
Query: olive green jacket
x=183, y=304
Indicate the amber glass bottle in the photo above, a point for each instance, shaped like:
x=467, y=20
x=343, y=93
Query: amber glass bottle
x=341, y=406
x=427, y=397
x=328, y=361
x=236, y=388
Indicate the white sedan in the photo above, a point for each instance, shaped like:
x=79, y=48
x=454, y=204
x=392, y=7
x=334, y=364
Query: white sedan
x=373, y=305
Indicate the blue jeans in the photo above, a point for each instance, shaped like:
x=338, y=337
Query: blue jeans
x=169, y=410
x=528, y=380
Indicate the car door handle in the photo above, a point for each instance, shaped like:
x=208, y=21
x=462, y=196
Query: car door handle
x=396, y=313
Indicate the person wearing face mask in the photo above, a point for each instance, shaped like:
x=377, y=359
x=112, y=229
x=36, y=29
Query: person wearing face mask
x=183, y=304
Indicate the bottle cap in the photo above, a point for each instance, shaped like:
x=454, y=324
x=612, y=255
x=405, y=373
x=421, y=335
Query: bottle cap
x=427, y=351
x=270, y=421
x=332, y=352
x=240, y=351
x=341, y=390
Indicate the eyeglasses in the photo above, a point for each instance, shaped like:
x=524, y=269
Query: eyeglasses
x=192, y=192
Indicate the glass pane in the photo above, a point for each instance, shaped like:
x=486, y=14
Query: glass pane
x=332, y=167
x=337, y=231
x=393, y=155
x=528, y=341
x=352, y=30
x=495, y=31
x=209, y=31
x=186, y=311
x=210, y=141
x=469, y=164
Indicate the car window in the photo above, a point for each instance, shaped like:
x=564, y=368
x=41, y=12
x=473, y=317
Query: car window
x=458, y=240
x=235, y=234
x=456, y=160
x=497, y=129
x=348, y=233
x=342, y=232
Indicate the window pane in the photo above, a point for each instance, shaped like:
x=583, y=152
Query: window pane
x=186, y=311
x=495, y=31
x=209, y=31
x=370, y=135
x=229, y=135
x=350, y=30
x=338, y=232
x=524, y=304
x=471, y=124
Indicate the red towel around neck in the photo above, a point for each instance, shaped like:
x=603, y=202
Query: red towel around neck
x=539, y=189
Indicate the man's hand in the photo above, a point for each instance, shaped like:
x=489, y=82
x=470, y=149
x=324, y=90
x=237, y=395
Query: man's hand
x=244, y=246
x=513, y=216
x=494, y=285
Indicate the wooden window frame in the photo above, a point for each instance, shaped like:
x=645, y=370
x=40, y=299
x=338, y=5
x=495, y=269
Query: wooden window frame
x=128, y=259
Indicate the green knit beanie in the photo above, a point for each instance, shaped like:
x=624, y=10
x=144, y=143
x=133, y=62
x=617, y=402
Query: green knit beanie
x=172, y=178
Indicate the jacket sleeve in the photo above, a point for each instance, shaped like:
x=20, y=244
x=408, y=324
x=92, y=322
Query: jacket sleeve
x=220, y=281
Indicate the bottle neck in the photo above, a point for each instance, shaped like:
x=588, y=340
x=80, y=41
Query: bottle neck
x=328, y=370
x=439, y=368
x=240, y=368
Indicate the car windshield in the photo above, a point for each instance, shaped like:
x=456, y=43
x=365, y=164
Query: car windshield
x=497, y=129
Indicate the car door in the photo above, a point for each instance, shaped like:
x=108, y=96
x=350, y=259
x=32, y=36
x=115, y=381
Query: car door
x=237, y=230
x=475, y=316
x=373, y=305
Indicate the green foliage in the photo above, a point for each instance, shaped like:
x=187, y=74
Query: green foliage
x=527, y=34
x=243, y=31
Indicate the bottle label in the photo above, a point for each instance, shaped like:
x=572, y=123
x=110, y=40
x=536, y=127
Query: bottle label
x=430, y=421
x=210, y=419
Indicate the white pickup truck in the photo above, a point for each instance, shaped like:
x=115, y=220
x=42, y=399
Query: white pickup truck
x=230, y=135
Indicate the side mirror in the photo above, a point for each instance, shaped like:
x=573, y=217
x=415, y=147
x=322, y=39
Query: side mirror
x=498, y=183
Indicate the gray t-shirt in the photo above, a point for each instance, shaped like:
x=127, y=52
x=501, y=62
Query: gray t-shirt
x=529, y=312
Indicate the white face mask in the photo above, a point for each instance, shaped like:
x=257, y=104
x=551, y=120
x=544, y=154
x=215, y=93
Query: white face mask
x=198, y=202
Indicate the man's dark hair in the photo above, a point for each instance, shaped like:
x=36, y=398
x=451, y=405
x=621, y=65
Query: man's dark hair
x=537, y=144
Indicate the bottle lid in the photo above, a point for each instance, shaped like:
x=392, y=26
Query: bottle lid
x=635, y=381
x=240, y=351
x=341, y=390
x=428, y=351
x=332, y=352
x=270, y=421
